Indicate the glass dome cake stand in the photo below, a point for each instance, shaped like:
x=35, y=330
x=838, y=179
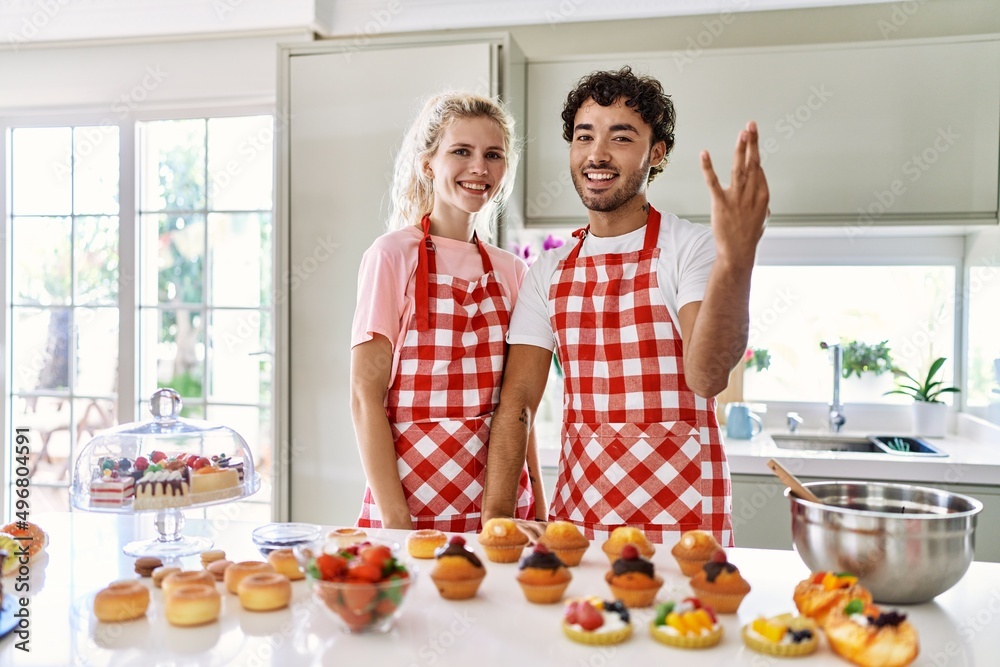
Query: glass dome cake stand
x=165, y=466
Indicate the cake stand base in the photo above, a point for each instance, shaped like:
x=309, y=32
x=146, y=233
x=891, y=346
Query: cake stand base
x=170, y=544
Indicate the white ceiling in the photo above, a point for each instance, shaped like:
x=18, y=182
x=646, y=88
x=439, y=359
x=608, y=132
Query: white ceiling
x=33, y=23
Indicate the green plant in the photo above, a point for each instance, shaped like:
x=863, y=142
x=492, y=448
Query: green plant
x=927, y=391
x=758, y=359
x=860, y=357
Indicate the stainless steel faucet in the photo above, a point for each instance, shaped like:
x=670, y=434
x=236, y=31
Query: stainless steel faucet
x=837, y=417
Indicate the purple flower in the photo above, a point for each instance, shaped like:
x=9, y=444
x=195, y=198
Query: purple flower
x=551, y=243
x=522, y=251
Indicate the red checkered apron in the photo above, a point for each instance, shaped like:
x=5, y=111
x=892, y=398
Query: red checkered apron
x=442, y=400
x=639, y=447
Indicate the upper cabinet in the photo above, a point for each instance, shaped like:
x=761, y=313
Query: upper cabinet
x=859, y=134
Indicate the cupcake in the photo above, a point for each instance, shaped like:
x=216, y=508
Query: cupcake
x=694, y=549
x=596, y=622
x=502, y=541
x=632, y=579
x=566, y=541
x=784, y=636
x=543, y=577
x=457, y=571
x=825, y=592
x=626, y=535
x=720, y=584
x=686, y=624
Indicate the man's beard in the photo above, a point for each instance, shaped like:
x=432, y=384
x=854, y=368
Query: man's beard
x=603, y=203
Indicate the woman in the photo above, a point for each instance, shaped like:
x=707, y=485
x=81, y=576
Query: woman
x=428, y=342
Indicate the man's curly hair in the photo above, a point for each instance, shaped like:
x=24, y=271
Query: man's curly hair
x=642, y=93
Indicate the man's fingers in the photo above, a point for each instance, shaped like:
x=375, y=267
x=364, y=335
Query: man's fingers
x=753, y=149
x=710, y=178
x=740, y=158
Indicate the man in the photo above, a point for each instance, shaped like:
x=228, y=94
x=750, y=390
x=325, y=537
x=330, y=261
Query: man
x=647, y=314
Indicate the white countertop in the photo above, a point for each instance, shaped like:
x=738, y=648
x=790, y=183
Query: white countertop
x=498, y=627
x=968, y=461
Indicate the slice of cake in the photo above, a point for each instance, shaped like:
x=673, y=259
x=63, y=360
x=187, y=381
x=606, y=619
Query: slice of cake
x=111, y=491
x=212, y=483
x=162, y=488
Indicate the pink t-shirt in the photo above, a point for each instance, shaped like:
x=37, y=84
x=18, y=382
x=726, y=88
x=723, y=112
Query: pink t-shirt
x=386, y=281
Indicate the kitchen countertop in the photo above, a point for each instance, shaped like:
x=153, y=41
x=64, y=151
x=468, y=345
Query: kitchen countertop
x=498, y=627
x=968, y=461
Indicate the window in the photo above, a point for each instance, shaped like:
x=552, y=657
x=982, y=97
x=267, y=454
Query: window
x=794, y=308
x=205, y=201
x=203, y=263
x=983, y=376
x=63, y=203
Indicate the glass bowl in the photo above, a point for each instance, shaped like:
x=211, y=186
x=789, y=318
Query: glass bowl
x=357, y=605
x=273, y=536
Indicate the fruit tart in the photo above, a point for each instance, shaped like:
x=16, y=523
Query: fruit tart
x=824, y=592
x=457, y=571
x=543, y=577
x=686, y=624
x=693, y=550
x=785, y=636
x=632, y=579
x=862, y=633
x=623, y=535
x=596, y=622
x=566, y=541
x=720, y=584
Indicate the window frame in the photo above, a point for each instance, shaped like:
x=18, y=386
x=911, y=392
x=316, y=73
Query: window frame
x=128, y=250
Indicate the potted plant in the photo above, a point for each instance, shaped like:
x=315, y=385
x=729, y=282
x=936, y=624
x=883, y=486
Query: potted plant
x=863, y=364
x=930, y=414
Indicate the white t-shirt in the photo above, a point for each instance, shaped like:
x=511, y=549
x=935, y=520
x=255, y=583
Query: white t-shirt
x=687, y=252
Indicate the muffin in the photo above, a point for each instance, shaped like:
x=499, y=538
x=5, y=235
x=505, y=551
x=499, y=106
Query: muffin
x=694, y=549
x=595, y=622
x=720, y=584
x=785, y=636
x=632, y=579
x=423, y=543
x=502, y=541
x=626, y=535
x=825, y=592
x=543, y=577
x=566, y=541
x=457, y=571
x=686, y=624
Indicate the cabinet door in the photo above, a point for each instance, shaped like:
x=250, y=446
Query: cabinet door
x=347, y=114
x=850, y=134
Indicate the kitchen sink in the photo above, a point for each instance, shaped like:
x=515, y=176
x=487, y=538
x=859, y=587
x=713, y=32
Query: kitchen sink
x=902, y=446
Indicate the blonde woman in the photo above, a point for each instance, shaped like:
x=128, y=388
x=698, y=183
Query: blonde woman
x=428, y=341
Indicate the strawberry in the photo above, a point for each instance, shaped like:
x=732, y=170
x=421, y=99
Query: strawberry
x=378, y=555
x=571, y=612
x=141, y=463
x=459, y=540
x=156, y=456
x=719, y=556
x=354, y=621
x=541, y=548
x=694, y=602
x=818, y=579
x=362, y=571
x=331, y=568
x=191, y=460
x=630, y=552
x=588, y=618
x=358, y=598
x=385, y=607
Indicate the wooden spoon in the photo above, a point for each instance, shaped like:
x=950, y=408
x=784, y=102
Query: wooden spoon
x=792, y=482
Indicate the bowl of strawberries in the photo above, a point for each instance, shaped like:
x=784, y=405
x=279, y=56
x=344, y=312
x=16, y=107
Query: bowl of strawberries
x=362, y=586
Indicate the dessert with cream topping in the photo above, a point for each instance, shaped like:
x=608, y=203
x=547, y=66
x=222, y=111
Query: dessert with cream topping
x=686, y=624
x=596, y=622
x=862, y=633
x=785, y=635
x=825, y=592
x=162, y=488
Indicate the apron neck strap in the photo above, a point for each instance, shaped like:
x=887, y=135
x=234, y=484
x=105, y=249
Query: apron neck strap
x=648, y=243
x=427, y=264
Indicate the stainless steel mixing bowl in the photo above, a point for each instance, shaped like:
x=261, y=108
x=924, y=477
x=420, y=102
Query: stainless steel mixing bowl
x=905, y=543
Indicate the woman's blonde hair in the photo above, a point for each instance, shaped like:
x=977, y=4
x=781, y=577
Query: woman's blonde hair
x=413, y=190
